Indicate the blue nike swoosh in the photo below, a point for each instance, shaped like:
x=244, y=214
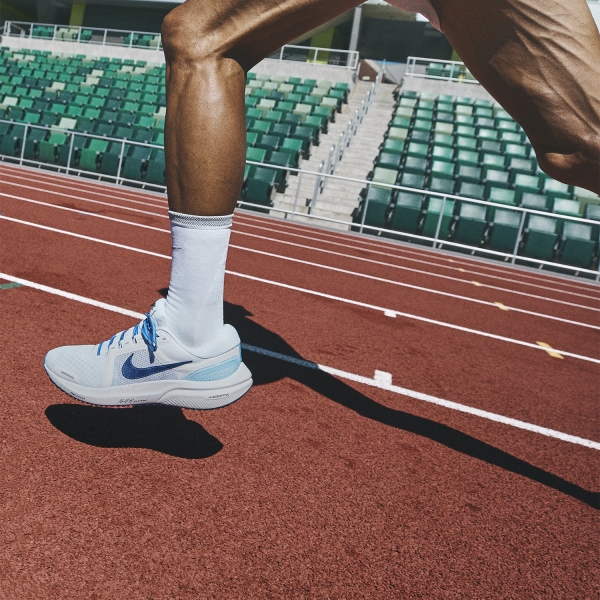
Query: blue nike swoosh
x=131, y=372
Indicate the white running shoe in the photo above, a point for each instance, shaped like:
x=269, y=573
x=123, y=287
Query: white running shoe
x=145, y=365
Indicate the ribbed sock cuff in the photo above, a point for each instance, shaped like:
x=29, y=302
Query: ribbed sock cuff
x=196, y=222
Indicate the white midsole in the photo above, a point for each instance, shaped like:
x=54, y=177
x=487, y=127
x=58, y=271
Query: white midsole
x=151, y=392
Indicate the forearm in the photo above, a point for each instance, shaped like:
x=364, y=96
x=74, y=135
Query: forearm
x=541, y=60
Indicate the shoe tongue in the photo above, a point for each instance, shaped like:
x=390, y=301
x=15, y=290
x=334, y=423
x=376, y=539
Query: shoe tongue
x=158, y=313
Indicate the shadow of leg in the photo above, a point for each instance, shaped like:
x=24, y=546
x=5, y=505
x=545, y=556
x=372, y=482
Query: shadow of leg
x=161, y=428
x=269, y=369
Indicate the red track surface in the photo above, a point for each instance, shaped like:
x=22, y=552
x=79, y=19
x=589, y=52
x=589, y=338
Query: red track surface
x=310, y=486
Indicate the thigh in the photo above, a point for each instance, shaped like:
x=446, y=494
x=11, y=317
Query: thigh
x=541, y=60
x=250, y=30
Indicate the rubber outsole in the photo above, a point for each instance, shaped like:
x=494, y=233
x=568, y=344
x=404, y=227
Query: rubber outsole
x=206, y=395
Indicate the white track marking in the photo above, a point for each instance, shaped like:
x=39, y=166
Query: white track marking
x=98, y=188
x=381, y=379
x=414, y=287
x=331, y=268
x=353, y=246
x=297, y=245
x=385, y=311
x=410, y=269
x=431, y=264
x=120, y=206
x=70, y=296
x=282, y=227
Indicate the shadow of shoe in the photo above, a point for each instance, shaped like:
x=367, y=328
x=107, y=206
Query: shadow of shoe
x=161, y=428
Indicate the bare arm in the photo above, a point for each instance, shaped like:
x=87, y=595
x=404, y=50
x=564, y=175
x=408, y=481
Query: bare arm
x=541, y=60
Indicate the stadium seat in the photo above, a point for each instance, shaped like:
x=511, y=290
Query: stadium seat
x=432, y=218
x=408, y=215
x=578, y=245
x=540, y=237
x=468, y=223
x=503, y=230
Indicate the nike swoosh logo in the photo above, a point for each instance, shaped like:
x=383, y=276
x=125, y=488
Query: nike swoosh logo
x=130, y=371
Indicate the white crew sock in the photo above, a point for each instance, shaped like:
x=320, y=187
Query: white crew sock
x=194, y=307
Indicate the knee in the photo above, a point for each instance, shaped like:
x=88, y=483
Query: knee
x=189, y=33
x=580, y=167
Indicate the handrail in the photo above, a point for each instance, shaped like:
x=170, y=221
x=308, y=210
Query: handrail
x=321, y=178
x=350, y=59
x=450, y=70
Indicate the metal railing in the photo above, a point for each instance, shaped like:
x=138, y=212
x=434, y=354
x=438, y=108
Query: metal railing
x=308, y=211
x=145, y=40
x=346, y=59
x=84, y=35
x=442, y=70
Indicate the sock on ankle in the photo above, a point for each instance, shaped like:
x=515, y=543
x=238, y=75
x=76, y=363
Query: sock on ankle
x=194, y=307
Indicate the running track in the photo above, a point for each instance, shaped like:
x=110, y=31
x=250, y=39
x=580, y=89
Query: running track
x=422, y=425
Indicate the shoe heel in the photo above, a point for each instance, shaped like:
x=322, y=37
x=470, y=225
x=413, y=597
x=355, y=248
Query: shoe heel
x=206, y=400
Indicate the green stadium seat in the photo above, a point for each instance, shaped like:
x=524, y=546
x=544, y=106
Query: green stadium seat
x=442, y=139
x=434, y=209
x=414, y=164
x=376, y=204
x=393, y=146
x=442, y=153
x=441, y=185
x=540, y=239
x=417, y=149
x=442, y=168
x=408, y=213
x=533, y=201
x=260, y=186
x=470, y=190
x=556, y=189
x=388, y=160
x=468, y=223
x=413, y=180
x=503, y=231
x=467, y=157
x=501, y=195
x=578, y=245
x=468, y=173
x=563, y=206
x=592, y=211
x=383, y=175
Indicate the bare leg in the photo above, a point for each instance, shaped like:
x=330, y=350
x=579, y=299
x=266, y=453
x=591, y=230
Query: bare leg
x=209, y=46
x=541, y=60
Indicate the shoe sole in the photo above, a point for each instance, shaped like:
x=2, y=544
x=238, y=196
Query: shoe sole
x=198, y=395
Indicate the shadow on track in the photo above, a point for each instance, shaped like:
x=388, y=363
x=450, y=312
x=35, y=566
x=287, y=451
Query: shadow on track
x=161, y=428
x=166, y=429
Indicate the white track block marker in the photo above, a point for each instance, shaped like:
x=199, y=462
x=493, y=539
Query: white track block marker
x=390, y=313
x=383, y=377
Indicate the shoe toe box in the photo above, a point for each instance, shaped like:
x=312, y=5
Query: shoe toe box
x=77, y=364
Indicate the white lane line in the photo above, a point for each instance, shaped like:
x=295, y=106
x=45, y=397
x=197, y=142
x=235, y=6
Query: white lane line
x=336, y=269
x=383, y=383
x=385, y=311
x=283, y=227
x=312, y=248
x=99, y=188
x=351, y=246
x=416, y=287
x=279, y=228
x=431, y=264
x=380, y=380
x=120, y=206
x=418, y=271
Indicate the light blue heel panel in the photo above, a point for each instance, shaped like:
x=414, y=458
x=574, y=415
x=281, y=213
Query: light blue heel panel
x=216, y=372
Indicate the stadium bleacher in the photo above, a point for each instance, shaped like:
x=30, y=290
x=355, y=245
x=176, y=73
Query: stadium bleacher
x=106, y=117
x=473, y=148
